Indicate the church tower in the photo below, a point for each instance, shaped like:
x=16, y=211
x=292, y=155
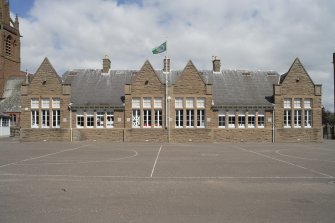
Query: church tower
x=9, y=45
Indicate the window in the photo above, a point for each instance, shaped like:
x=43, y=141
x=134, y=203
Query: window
x=251, y=120
x=13, y=119
x=297, y=103
x=110, y=119
x=147, y=103
x=45, y=103
x=136, y=103
x=147, y=118
x=190, y=118
x=222, y=119
x=100, y=119
x=308, y=103
x=287, y=118
x=4, y=122
x=189, y=102
x=201, y=122
x=56, y=118
x=297, y=119
x=179, y=103
x=231, y=120
x=158, y=103
x=136, y=119
x=179, y=118
x=241, y=120
x=35, y=103
x=308, y=119
x=55, y=103
x=45, y=119
x=80, y=120
x=261, y=120
x=35, y=119
x=89, y=119
x=200, y=102
x=9, y=46
x=158, y=118
x=287, y=103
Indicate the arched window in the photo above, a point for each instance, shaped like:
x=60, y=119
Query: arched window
x=9, y=46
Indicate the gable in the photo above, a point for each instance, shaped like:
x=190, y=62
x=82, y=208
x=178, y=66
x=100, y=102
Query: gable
x=190, y=81
x=297, y=81
x=46, y=80
x=147, y=81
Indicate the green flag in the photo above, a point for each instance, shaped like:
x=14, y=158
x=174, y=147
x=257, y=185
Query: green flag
x=160, y=49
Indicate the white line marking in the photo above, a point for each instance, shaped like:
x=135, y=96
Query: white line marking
x=153, y=168
x=158, y=178
x=283, y=161
x=83, y=162
x=302, y=158
x=50, y=154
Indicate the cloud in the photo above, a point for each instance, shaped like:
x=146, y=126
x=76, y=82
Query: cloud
x=254, y=34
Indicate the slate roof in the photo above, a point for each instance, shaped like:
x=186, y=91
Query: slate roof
x=91, y=88
x=12, y=95
x=231, y=88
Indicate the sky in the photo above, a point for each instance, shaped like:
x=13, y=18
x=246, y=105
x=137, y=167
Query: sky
x=244, y=34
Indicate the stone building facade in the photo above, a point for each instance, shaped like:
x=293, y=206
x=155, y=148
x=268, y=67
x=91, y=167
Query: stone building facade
x=188, y=105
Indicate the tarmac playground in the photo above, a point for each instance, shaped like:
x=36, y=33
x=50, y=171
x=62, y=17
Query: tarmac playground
x=145, y=182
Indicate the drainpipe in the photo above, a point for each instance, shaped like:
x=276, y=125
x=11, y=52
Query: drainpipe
x=273, y=124
x=71, y=135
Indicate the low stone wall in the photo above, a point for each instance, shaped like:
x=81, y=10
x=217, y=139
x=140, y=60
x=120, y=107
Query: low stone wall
x=242, y=135
x=299, y=135
x=145, y=135
x=112, y=135
x=33, y=135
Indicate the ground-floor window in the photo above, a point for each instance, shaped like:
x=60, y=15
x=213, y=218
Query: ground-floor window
x=35, y=119
x=158, y=118
x=190, y=118
x=297, y=119
x=80, y=120
x=241, y=120
x=55, y=118
x=231, y=120
x=222, y=119
x=261, y=120
x=308, y=119
x=251, y=120
x=45, y=119
x=287, y=118
x=4, y=122
x=110, y=119
x=147, y=118
x=179, y=118
x=136, y=119
x=201, y=118
x=90, y=119
x=100, y=119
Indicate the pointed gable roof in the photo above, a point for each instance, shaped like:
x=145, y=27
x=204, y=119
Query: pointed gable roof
x=297, y=66
x=148, y=67
x=190, y=65
x=46, y=68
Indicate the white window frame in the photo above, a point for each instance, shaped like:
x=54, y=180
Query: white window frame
x=297, y=102
x=222, y=115
x=55, y=103
x=35, y=103
x=45, y=118
x=297, y=118
x=136, y=102
x=189, y=103
x=158, y=103
x=179, y=103
x=260, y=120
x=231, y=117
x=147, y=102
x=35, y=118
x=136, y=118
x=201, y=118
x=190, y=118
x=287, y=103
x=56, y=118
x=45, y=103
x=308, y=115
x=179, y=118
x=201, y=102
x=88, y=119
x=308, y=103
x=147, y=118
x=82, y=119
x=251, y=120
x=100, y=119
x=241, y=120
x=110, y=119
x=158, y=118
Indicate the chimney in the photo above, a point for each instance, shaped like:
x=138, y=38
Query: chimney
x=106, y=64
x=216, y=64
x=166, y=68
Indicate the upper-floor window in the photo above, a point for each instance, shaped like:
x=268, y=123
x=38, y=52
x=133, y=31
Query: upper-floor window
x=56, y=103
x=200, y=102
x=287, y=103
x=136, y=103
x=307, y=103
x=35, y=103
x=178, y=103
x=189, y=102
x=157, y=102
x=45, y=103
x=297, y=103
x=146, y=102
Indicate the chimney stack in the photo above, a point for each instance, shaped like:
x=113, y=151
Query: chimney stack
x=216, y=64
x=166, y=68
x=106, y=64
